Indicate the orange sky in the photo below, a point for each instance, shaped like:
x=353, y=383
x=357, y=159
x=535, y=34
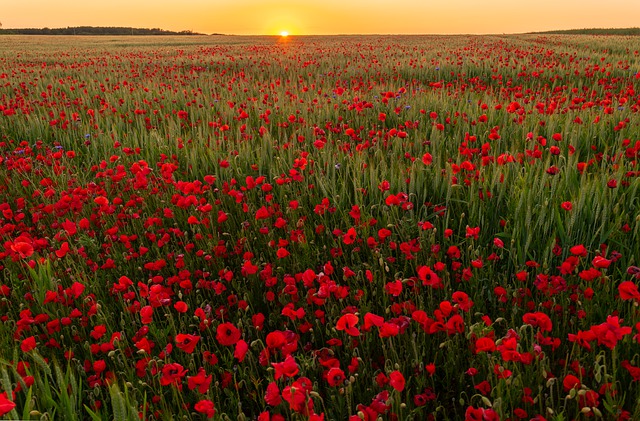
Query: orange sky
x=306, y=17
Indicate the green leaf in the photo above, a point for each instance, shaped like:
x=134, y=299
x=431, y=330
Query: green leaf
x=117, y=403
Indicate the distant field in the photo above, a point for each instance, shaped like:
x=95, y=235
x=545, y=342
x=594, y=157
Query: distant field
x=361, y=228
x=595, y=31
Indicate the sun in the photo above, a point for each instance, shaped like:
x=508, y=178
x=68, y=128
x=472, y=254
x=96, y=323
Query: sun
x=284, y=34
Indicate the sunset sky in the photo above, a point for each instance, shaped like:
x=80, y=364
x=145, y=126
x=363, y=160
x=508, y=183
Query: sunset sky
x=307, y=17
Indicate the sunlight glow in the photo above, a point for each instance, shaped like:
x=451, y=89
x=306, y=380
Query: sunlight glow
x=272, y=17
x=284, y=34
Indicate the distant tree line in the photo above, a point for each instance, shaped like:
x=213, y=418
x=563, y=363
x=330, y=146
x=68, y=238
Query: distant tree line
x=93, y=30
x=594, y=31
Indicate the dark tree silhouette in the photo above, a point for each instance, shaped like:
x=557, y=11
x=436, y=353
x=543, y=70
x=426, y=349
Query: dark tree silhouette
x=93, y=30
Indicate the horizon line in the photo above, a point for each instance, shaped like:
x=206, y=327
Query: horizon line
x=190, y=32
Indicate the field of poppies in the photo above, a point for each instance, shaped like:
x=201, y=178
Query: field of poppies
x=337, y=228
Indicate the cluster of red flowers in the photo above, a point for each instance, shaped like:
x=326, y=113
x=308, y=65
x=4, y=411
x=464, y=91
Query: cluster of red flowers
x=344, y=235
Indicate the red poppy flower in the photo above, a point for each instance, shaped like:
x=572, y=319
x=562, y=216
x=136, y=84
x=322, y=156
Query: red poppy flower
x=490, y=415
x=422, y=319
x=633, y=371
x=589, y=399
x=98, y=332
x=392, y=200
x=590, y=274
x=633, y=271
x=485, y=344
x=172, y=374
x=272, y=395
x=101, y=201
x=145, y=345
x=501, y=372
x=383, y=233
x=210, y=357
x=22, y=248
x=454, y=253
x=420, y=399
x=296, y=394
x=335, y=376
x=187, y=343
x=205, y=407
x=355, y=212
x=6, y=405
x=430, y=368
x=396, y=380
x=578, y=250
x=571, y=382
x=241, y=350
x=610, y=332
x=257, y=321
x=455, y=325
x=348, y=323
x=181, y=307
x=382, y=380
x=462, y=300
x=539, y=320
x=275, y=339
x=484, y=387
x=370, y=320
x=388, y=330
x=200, y=381
x=473, y=414
x=350, y=236
x=567, y=206
x=553, y=170
x=287, y=368
x=353, y=367
x=429, y=277
x=295, y=397
x=472, y=232
x=282, y=253
x=628, y=290
x=28, y=344
x=249, y=268
x=394, y=288
x=227, y=334
x=63, y=250
x=262, y=213
x=600, y=262
x=583, y=338
x=146, y=313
